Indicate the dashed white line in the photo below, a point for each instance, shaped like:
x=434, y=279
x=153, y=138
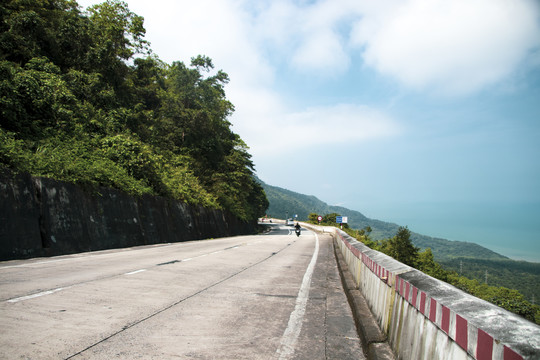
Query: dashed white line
x=48, y=292
x=28, y=297
x=33, y=263
x=135, y=272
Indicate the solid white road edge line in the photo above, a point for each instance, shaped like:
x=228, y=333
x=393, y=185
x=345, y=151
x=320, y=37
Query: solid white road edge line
x=291, y=333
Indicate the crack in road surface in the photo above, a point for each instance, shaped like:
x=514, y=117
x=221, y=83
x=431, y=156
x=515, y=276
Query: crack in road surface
x=169, y=262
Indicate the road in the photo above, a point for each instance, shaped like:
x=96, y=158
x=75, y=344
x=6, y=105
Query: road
x=271, y=296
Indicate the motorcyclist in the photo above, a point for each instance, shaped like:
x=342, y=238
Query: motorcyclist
x=297, y=227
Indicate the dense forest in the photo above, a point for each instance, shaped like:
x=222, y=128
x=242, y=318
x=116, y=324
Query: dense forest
x=513, y=285
x=83, y=99
x=520, y=275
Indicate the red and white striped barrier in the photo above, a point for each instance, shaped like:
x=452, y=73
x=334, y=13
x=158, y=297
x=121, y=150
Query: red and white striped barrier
x=435, y=320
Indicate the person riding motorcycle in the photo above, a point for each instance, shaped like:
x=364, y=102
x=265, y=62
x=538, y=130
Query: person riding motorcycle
x=297, y=229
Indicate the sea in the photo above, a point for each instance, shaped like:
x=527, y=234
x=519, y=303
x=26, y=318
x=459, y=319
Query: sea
x=512, y=230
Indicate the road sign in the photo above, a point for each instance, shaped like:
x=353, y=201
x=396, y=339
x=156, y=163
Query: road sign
x=341, y=219
x=319, y=218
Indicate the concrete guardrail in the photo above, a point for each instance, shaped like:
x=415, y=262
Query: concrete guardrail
x=425, y=318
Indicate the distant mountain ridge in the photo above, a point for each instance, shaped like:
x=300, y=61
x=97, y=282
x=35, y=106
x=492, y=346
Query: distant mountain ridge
x=465, y=258
x=284, y=203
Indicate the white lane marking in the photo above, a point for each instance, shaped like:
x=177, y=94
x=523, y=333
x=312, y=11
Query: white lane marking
x=22, y=298
x=77, y=256
x=291, y=333
x=135, y=272
x=33, y=263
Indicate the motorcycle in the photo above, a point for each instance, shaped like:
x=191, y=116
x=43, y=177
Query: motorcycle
x=297, y=231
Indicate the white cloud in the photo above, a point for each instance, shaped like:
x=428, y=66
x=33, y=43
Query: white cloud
x=455, y=47
x=306, y=34
x=321, y=45
x=321, y=51
x=285, y=132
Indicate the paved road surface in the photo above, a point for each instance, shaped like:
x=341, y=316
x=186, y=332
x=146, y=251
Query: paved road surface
x=272, y=296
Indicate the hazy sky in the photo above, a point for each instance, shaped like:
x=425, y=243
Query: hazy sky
x=421, y=112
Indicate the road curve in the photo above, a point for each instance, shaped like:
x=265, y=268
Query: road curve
x=271, y=296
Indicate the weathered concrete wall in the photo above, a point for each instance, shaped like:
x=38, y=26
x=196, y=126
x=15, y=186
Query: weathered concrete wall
x=425, y=318
x=44, y=217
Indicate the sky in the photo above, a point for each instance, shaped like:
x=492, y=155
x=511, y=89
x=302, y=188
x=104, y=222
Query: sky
x=425, y=113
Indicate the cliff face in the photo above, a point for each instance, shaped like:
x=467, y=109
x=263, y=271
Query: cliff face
x=45, y=217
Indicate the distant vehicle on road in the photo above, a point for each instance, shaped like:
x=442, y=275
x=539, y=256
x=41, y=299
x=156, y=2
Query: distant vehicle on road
x=289, y=222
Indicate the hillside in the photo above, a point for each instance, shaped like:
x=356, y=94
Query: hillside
x=465, y=258
x=520, y=275
x=284, y=202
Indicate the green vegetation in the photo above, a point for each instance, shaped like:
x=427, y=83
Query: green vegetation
x=401, y=248
x=83, y=99
x=520, y=275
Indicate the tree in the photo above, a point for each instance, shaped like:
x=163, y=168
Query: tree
x=117, y=34
x=34, y=99
x=400, y=247
x=236, y=187
x=313, y=218
x=363, y=235
x=427, y=264
x=43, y=28
x=194, y=114
x=514, y=301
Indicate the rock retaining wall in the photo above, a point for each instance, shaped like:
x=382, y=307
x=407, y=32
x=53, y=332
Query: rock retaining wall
x=45, y=217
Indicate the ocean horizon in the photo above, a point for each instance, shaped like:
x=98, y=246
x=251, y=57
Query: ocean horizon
x=511, y=230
